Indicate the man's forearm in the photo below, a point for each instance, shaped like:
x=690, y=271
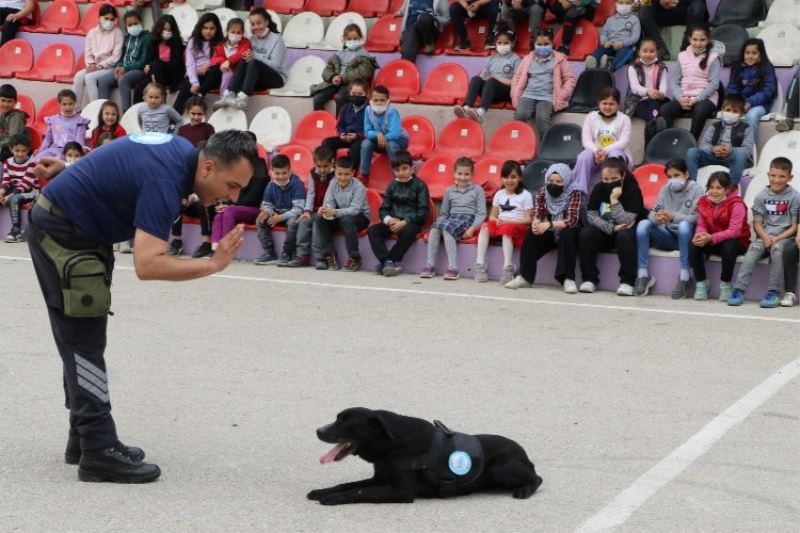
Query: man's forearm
x=168, y=268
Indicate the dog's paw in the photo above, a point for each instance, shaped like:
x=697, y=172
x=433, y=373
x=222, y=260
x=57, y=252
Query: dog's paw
x=315, y=494
x=526, y=491
x=336, y=498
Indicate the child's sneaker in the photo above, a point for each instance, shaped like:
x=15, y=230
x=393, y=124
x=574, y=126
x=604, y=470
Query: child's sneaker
x=379, y=268
x=770, y=300
x=321, y=264
x=508, y=274
x=226, y=101
x=681, y=289
x=299, y=262
x=479, y=113
x=785, y=125
x=352, y=264
x=736, y=297
x=604, y=61
x=267, y=258
x=570, y=287
x=471, y=114
x=725, y=291
x=701, y=290
x=240, y=102
x=590, y=62
x=284, y=260
x=460, y=112
x=204, y=250
x=14, y=236
x=427, y=272
x=587, y=287
x=481, y=276
x=333, y=261
x=789, y=300
x=451, y=274
x=643, y=285
x=175, y=247
x=624, y=290
x=518, y=283
x=390, y=268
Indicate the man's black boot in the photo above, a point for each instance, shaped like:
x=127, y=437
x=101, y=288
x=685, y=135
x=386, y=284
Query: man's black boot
x=114, y=464
x=72, y=455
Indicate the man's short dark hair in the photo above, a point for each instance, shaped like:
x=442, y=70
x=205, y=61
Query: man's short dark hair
x=345, y=162
x=8, y=91
x=227, y=147
x=20, y=139
x=281, y=161
x=402, y=158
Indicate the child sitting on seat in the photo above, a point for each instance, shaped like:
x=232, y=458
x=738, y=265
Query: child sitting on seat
x=229, y=53
x=19, y=184
x=102, y=50
x=383, y=131
x=12, y=120
x=200, y=77
x=73, y=151
x=197, y=130
x=107, y=122
x=283, y=201
x=618, y=39
x=156, y=115
x=350, y=124
x=647, y=86
x=67, y=126
x=570, y=13
x=403, y=213
x=670, y=226
x=509, y=219
x=462, y=214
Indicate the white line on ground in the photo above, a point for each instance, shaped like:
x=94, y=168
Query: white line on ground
x=682, y=312
x=633, y=497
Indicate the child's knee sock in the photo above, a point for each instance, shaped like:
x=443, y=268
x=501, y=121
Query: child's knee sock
x=508, y=251
x=451, y=247
x=483, y=245
x=433, y=245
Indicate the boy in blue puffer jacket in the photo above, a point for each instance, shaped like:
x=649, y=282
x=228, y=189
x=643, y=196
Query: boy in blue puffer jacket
x=383, y=131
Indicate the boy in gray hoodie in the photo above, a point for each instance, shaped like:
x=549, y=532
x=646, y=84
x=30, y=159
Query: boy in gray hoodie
x=618, y=39
x=775, y=211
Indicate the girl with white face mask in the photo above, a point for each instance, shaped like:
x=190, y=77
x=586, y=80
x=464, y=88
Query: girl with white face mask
x=493, y=84
x=102, y=50
x=350, y=64
x=229, y=53
x=128, y=72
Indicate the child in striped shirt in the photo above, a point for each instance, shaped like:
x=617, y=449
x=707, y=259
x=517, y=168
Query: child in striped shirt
x=18, y=184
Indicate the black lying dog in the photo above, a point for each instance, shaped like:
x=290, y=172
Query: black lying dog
x=416, y=459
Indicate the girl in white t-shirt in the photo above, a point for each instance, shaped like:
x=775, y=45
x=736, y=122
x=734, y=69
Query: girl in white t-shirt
x=509, y=219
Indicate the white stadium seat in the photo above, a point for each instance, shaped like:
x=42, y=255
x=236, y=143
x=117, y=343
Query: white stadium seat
x=783, y=12
x=302, y=29
x=304, y=73
x=228, y=119
x=201, y=5
x=186, y=17
x=90, y=111
x=333, y=37
x=129, y=120
x=783, y=44
x=224, y=15
x=704, y=172
x=777, y=105
x=272, y=127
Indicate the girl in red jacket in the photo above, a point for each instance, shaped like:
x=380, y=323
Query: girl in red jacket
x=722, y=229
x=228, y=53
x=107, y=122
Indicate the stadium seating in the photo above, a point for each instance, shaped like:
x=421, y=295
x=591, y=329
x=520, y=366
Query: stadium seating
x=783, y=12
x=333, y=35
x=374, y=201
x=248, y=30
x=228, y=119
x=667, y=145
x=783, y=44
x=780, y=145
x=585, y=40
x=186, y=17
x=225, y=14
x=56, y=59
x=444, y=85
x=60, y=15
x=287, y=6
x=326, y=8
x=513, y=140
x=272, y=126
x=303, y=73
x=90, y=112
x=478, y=32
x=461, y=137
x=303, y=29
x=422, y=136
x=437, y=173
x=746, y=14
x=733, y=37
x=561, y=144
x=651, y=179
x=36, y=139
x=25, y=103
x=301, y=158
x=369, y=8
x=15, y=56
x=91, y=18
x=80, y=64
x=313, y=128
x=380, y=173
x=384, y=36
x=401, y=77
x=47, y=109
x=603, y=11
x=533, y=175
x=130, y=120
x=487, y=175
x=703, y=173
x=587, y=89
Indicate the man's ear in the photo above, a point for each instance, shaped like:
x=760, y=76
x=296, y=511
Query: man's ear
x=379, y=423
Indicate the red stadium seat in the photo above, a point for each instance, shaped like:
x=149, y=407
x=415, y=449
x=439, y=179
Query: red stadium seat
x=48, y=109
x=437, y=173
x=36, y=138
x=61, y=15
x=374, y=201
x=286, y=6
x=446, y=39
x=478, y=32
x=513, y=140
x=325, y=8
x=584, y=41
x=487, y=175
x=380, y=173
x=90, y=19
x=651, y=178
x=445, y=84
x=384, y=36
x=401, y=77
x=603, y=11
x=55, y=60
x=422, y=136
x=396, y=5
x=369, y=8
x=313, y=128
x=301, y=158
x=15, y=56
x=522, y=45
x=461, y=137
x=25, y=103
x=80, y=64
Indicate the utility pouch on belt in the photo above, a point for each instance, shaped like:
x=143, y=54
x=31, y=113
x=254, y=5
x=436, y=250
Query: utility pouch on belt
x=85, y=277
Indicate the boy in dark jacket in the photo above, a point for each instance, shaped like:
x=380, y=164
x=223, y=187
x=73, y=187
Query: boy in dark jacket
x=404, y=211
x=12, y=121
x=350, y=125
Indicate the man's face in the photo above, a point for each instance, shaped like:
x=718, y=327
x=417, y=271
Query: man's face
x=6, y=104
x=281, y=176
x=214, y=183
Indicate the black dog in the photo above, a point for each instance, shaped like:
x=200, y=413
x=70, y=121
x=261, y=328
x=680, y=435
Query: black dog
x=416, y=459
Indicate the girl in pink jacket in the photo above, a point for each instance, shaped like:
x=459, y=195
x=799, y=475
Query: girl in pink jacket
x=543, y=83
x=606, y=133
x=102, y=50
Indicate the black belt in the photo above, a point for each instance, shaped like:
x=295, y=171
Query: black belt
x=43, y=202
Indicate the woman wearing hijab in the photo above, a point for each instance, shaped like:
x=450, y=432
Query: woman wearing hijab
x=558, y=210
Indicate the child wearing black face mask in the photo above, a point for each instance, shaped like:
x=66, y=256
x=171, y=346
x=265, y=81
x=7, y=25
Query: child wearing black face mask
x=615, y=206
x=350, y=126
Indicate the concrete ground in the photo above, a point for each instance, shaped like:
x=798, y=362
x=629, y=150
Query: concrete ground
x=224, y=380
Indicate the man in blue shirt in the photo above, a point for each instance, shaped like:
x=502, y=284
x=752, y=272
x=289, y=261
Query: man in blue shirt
x=130, y=188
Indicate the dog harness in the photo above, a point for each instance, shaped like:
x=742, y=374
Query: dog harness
x=457, y=459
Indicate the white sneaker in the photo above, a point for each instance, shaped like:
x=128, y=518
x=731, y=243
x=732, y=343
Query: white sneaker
x=518, y=283
x=789, y=300
x=570, y=287
x=226, y=100
x=587, y=286
x=624, y=290
x=460, y=112
x=240, y=102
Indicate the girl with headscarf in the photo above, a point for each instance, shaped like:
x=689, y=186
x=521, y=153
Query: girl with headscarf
x=558, y=209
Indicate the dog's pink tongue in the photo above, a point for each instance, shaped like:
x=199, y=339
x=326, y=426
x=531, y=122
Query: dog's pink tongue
x=331, y=455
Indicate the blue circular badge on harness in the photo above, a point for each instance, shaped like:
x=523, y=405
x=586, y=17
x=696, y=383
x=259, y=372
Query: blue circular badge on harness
x=150, y=137
x=460, y=463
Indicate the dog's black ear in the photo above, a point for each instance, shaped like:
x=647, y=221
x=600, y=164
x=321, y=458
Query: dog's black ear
x=380, y=424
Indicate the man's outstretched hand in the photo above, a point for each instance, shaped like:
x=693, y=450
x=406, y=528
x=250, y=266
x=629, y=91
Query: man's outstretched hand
x=227, y=248
x=48, y=168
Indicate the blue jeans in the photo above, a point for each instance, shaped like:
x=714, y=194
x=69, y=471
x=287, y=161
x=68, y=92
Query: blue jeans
x=369, y=146
x=621, y=56
x=736, y=162
x=753, y=118
x=664, y=239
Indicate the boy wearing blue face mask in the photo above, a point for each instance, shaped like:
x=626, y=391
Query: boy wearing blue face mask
x=383, y=131
x=728, y=142
x=669, y=226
